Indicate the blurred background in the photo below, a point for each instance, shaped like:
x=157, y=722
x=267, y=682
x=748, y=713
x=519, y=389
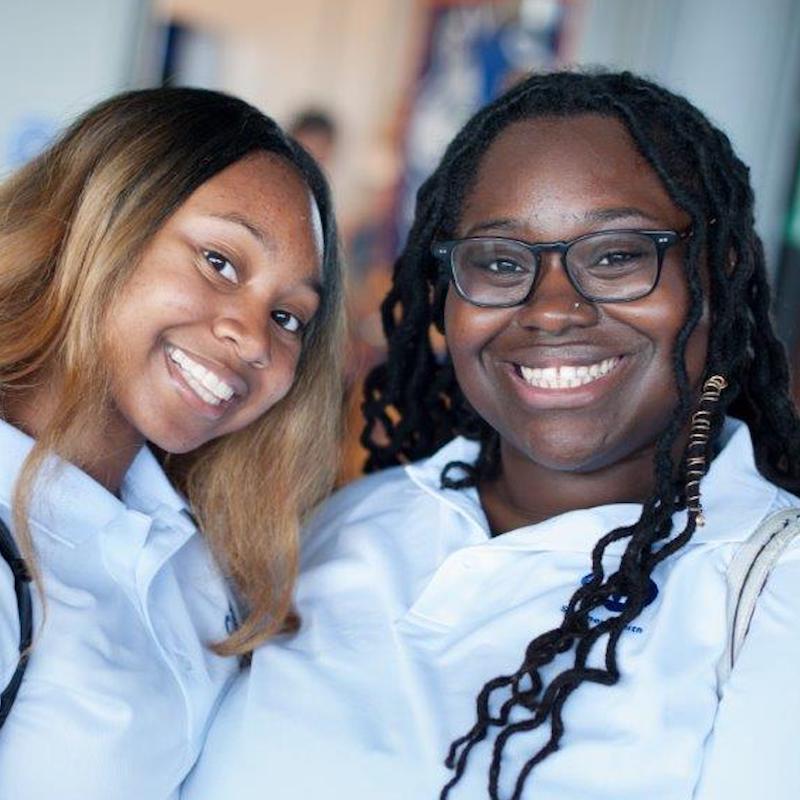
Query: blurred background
x=376, y=89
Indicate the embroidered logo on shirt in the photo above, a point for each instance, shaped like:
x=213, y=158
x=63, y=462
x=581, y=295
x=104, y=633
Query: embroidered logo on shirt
x=617, y=602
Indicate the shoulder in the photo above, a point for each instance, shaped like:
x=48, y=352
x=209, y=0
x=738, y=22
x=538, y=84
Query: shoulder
x=787, y=506
x=784, y=500
x=378, y=508
x=392, y=490
x=380, y=493
x=387, y=486
x=765, y=567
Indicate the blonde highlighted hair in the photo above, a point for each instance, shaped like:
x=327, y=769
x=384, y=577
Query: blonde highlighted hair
x=74, y=223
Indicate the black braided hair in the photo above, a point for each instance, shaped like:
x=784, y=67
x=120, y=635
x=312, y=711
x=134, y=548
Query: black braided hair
x=413, y=404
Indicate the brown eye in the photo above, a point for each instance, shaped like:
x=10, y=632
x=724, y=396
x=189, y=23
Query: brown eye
x=221, y=265
x=288, y=321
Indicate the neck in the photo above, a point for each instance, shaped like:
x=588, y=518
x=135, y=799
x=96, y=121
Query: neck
x=105, y=452
x=527, y=492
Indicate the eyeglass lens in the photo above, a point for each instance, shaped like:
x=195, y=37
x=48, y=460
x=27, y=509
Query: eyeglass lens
x=606, y=266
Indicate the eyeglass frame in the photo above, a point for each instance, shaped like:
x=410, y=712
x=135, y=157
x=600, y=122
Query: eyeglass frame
x=442, y=251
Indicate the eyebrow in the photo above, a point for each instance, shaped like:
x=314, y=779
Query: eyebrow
x=313, y=284
x=594, y=215
x=614, y=214
x=245, y=223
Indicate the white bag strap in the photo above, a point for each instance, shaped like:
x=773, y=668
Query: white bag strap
x=747, y=574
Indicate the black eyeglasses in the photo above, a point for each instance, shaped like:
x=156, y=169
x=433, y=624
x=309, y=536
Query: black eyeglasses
x=604, y=267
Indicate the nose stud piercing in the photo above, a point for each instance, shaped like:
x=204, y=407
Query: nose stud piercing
x=576, y=305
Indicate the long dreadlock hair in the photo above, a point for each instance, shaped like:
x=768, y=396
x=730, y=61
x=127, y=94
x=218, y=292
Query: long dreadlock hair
x=413, y=404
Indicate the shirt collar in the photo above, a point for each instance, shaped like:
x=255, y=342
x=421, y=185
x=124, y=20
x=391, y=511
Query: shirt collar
x=735, y=498
x=146, y=488
x=74, y=505
x=427, y=475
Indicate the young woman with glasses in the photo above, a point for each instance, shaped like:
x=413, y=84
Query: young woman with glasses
x=170, y=329
x=530, y=600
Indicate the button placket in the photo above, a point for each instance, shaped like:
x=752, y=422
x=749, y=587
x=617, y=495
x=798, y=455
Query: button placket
x=123, y=541
x=169, y=532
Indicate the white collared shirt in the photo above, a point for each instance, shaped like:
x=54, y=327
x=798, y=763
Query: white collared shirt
x=409, y=607
x=120, y=685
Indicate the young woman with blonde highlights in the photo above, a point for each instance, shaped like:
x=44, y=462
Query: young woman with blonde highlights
x=168, y=275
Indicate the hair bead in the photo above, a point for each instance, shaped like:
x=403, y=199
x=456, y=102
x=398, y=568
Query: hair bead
x=697, y=450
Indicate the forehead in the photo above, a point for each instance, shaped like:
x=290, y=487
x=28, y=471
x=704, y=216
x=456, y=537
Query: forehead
x=267, y=192
x=554, y=170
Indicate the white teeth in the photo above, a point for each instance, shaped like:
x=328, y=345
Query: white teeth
x=567, y=377
x=210, y=387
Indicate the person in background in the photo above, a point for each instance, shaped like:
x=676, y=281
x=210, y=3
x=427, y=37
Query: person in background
x=530, y=599
x=170, y=337
x=316, y=130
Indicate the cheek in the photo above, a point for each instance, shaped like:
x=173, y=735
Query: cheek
x=659, y=320
x=119, y=345
x=133, y=312
x=674, y=310
x=274, y=384
x=468, y=329
x=450, y=316
x=697, y=349
x=463, y=338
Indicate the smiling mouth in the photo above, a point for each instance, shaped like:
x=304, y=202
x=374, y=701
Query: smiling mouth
x=566, y=376
x=208, y=386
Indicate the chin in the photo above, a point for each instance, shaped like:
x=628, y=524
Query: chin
x=560, y=462
x=177, y=449
x=175, y=445
x=566, y=454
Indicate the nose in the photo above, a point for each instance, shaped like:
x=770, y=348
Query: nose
x=554, y=304
x=247, y=332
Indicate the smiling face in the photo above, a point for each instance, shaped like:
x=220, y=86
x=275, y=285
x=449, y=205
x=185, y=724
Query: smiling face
x=207, y=333
x=554, y=179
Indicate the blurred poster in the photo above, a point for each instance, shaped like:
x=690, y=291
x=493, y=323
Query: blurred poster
x=474, y=51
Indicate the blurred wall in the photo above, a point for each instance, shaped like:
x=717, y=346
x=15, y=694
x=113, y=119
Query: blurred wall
x=351, y=57
x=58, y=58
x=737, y=60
